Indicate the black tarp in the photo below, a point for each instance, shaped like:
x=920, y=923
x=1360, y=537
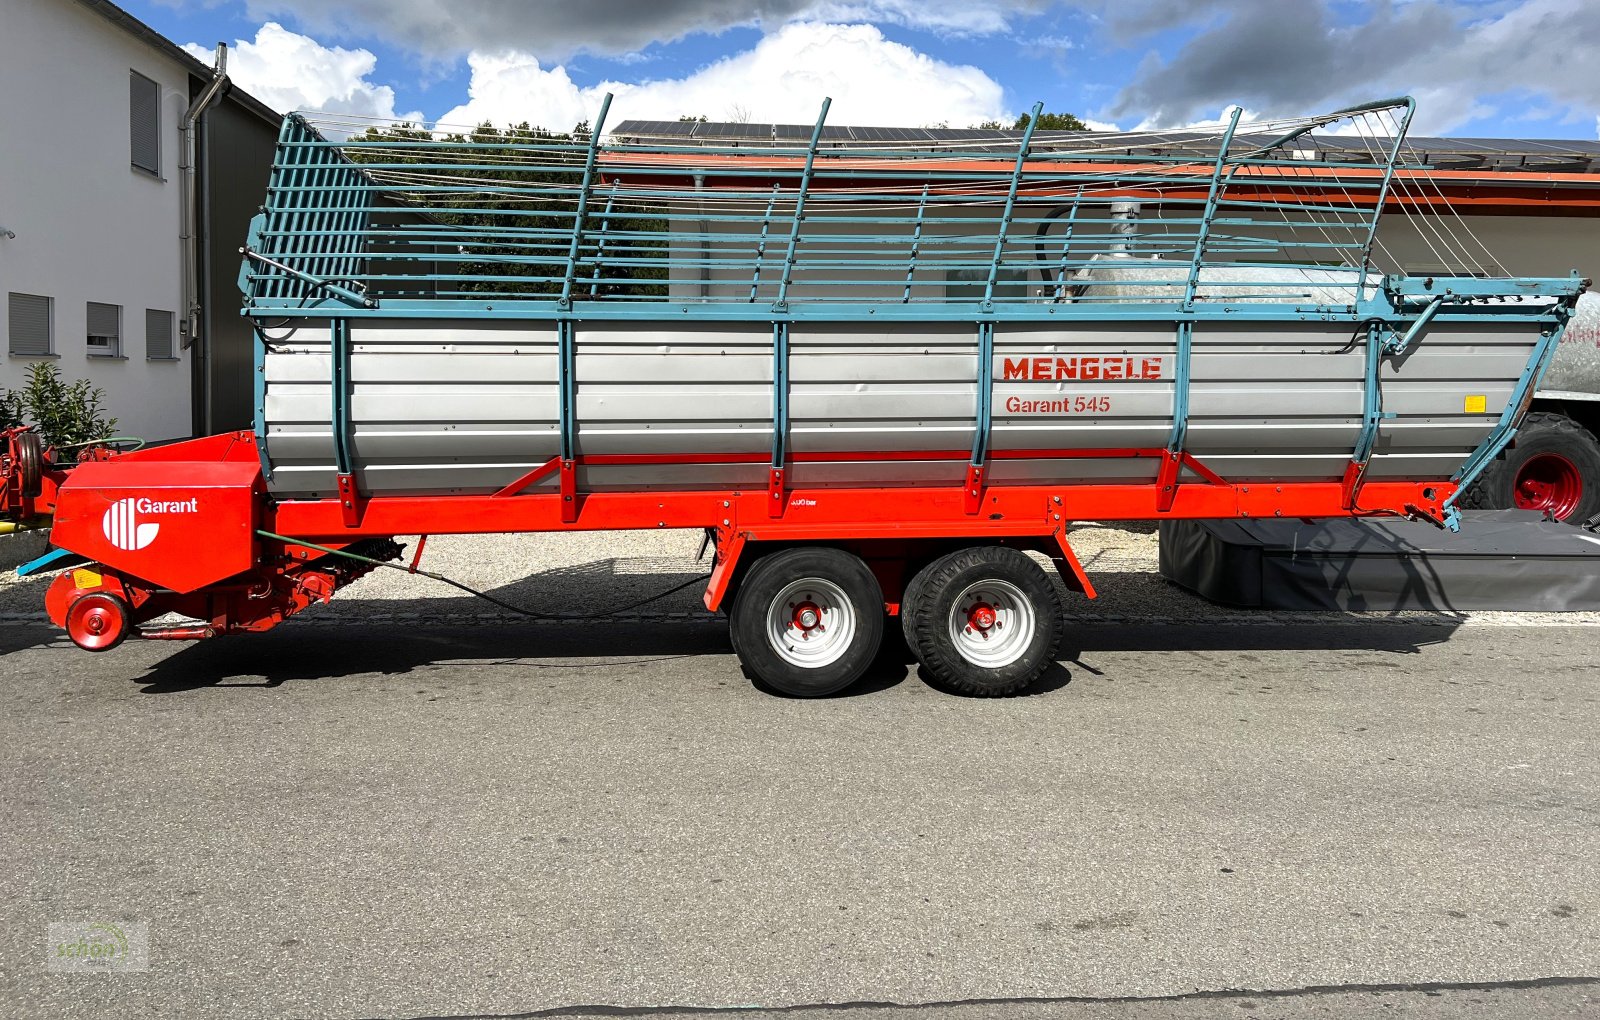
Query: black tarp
x=1501, y=559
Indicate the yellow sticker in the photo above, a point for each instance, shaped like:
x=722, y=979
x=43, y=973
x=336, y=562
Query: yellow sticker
x=1476, y=403
x=86, y=579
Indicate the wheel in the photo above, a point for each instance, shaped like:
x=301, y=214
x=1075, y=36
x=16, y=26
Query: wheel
x=807, y=621
x=97, y=622
x=30, y=458
x=1554, y=467
x=983, y=621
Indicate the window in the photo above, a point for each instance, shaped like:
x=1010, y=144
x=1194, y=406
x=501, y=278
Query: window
x=144, y=123
x=29, y=321
x=158, y=335
x=105, y=330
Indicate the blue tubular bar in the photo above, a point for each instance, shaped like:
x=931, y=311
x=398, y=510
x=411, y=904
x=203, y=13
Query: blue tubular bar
x=1213, y=196
x=1181, y=373
x=1510, y=419
x=916, y=243
x=258, y=381
x=1066, y=244
x=780, y=394
x=782, y=303
x=983, y=418
x=339, y=384
x=1397, y=345
x=600, y=245
x=1011, y=204
x=567, y=387
x=761, y=245
x=403, y=226
x=1410, y=106
x=1372, y=413
x=583, y=201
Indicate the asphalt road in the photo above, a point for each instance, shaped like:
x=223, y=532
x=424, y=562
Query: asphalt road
x=349, y=821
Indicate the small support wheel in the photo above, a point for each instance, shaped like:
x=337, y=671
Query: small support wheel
x=30, y=462
x=984, y=621
x=98, y=622
x=807, y=621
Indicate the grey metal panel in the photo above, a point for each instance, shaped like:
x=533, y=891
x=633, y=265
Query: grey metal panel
x=840, y=474
x=444, y=408
x=863, y=388
x=673, y=389
x=1140, y=413
x=1120, y=471
x=144, y=123
x=669, y=477
x=463, y=408
x=28, y=322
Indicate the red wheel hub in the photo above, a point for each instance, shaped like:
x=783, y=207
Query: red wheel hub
x=1550, y=483
x=807, y=615
x=97, y=622
x=981, y=616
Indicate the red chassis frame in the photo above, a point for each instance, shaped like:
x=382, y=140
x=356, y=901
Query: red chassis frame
x=222, y=571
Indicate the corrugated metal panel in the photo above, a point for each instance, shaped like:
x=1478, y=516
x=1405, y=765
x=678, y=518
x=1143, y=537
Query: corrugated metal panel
x=144, y=122
x=29, y=322
x=157, y=335
x=465, y=407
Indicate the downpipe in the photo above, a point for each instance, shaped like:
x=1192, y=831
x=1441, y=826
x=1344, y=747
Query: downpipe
x=190, y=327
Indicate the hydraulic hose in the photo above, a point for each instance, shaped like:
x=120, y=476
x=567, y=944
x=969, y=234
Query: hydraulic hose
x=510, y=607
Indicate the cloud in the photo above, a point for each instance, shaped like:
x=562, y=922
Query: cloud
x=782, y=79
x=289, y=71
x=1246, y=118
x=1462, y=60
x=553, y=30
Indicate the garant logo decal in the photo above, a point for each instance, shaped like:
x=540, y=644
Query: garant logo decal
x=125, y=522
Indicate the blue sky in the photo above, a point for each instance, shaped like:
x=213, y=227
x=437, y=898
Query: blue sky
x=1497, y=68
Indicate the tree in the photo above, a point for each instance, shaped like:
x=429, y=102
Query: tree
x=1052, y=122
x=685, y=118
x=65, y=413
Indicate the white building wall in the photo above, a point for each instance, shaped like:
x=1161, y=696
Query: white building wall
x=90, y=227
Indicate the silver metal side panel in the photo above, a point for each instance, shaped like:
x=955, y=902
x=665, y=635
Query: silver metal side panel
x=468, y=407
x=862, y=388
x=700, y=388
x=1120, y=398
x=434, y=408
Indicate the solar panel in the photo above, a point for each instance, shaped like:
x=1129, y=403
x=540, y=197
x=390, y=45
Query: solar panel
x=1457, y=153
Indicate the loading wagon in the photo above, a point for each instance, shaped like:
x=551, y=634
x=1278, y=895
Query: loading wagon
x=878, y=376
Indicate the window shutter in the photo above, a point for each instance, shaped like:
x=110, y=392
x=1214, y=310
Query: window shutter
x=144, y=122
x=104, y=320
x=30, y=325
x=157, y=335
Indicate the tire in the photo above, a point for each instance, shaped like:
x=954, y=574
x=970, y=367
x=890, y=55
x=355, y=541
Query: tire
x=956, y=606
x=808, y=621
x=98, y=621
x=1554, y=467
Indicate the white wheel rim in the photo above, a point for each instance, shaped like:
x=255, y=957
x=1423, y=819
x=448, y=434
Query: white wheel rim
x=991, y=623
x=811, y=623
